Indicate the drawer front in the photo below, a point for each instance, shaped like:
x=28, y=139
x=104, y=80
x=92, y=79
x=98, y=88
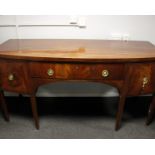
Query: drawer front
x=141, y=81
x=13, y=77
x=77, y=71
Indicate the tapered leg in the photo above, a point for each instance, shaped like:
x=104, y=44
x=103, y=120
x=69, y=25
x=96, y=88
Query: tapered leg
x=151, y=111
x=34, y=110
x=4, y=106
x=120, y=111
x=20, y=97
x=123, y=94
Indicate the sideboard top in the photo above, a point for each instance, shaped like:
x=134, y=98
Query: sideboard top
x=77, y=50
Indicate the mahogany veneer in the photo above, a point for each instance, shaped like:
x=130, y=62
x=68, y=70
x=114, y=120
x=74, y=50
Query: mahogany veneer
x=29, y=63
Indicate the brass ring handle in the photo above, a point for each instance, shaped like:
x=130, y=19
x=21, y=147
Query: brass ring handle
x=11, y=77
x=50, y=72
x=145, y=81
x=105, y=73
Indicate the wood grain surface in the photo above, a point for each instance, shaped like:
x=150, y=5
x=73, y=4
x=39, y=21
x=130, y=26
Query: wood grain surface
x=78, y=50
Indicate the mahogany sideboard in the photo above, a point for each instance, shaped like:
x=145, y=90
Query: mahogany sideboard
x=26, y=64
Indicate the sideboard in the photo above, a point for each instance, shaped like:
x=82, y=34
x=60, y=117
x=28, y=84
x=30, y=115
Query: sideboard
x=26, y=64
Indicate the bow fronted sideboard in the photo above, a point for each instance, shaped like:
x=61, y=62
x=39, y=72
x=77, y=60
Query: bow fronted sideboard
x=26, y=64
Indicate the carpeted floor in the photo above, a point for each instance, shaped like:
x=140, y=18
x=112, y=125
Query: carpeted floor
x=77, y=118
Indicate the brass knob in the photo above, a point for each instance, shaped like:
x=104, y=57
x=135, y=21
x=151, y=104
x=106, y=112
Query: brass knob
x=50, y=72
x=105, y=73
x=11, y=77
x=145, y=81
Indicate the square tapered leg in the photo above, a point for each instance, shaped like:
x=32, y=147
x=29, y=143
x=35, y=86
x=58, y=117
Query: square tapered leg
x=4, y=106
x=34, y=111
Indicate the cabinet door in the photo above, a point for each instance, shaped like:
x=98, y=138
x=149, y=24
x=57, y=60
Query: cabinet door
x=141, y=81
x=13, y=76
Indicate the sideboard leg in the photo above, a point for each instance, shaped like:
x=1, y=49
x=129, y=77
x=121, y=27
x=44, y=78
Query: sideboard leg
x=151, y=111
x=120, y=111
x=123, y=95
x=4, y=106
x=34, y=111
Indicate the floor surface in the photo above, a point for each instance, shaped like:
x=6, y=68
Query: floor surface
x=78, y=118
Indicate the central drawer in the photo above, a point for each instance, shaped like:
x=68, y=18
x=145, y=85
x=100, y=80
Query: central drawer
x=77, y=71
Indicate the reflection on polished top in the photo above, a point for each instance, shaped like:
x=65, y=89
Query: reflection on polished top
x=77, y=50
